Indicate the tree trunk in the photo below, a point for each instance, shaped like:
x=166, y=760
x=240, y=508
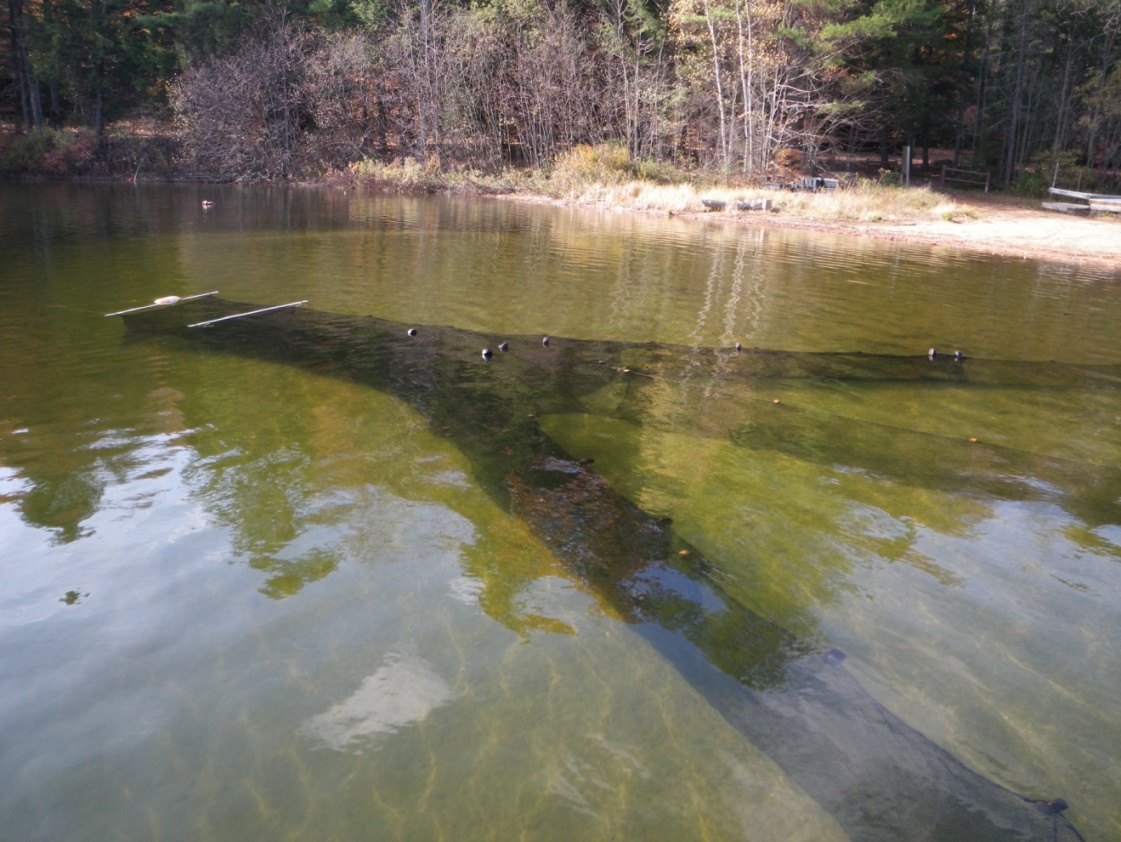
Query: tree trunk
x=963, y=84
x=747, y=82
x=719, y=79
x=99, y=101
x=1014, y=133
x=27, y=85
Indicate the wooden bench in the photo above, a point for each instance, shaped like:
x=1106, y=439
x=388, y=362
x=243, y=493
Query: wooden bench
x=813, y=183
x=753, y=205
x=1073, y=201
x=1103, y=205
x=968, y=178
x=1066, y=207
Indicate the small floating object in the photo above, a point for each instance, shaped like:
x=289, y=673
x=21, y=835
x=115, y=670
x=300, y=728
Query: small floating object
x=412, y=331
x=207, y=204
x=935, y=354
x=545, y=341
x=505, y=346
x=833, y=657
x=683, y=553
x=1050, y=808
x=776, y=401
x=167, y=300
x=973, y=440
x=487, y=353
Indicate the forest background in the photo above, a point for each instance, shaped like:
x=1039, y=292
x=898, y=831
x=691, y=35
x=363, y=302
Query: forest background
x=741, y=90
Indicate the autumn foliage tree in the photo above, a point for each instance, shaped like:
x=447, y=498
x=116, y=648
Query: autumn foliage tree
x=294, y=88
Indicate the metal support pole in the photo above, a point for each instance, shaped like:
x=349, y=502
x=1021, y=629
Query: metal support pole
x=250, y=313
x=168, y=301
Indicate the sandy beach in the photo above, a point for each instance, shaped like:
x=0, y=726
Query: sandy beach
x=994, y=228
x=982, y=224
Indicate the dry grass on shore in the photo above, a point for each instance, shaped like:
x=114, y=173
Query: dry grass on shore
x=862, y=202
x=605, y=176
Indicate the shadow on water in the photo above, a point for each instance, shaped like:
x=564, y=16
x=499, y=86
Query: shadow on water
x=958, y=464
x=793, y=698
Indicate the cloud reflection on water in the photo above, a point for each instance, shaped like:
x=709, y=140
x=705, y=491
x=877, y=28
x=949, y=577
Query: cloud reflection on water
x=402, y=692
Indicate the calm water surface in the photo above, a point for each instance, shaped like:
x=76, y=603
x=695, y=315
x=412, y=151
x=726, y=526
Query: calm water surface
x=241, y=601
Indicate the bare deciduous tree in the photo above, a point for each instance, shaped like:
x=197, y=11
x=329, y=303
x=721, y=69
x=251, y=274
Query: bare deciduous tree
x=241, y=115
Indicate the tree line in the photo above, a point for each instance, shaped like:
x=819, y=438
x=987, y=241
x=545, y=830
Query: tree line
x=280, y=90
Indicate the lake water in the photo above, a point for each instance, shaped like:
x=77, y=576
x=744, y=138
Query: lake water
x=242, y=600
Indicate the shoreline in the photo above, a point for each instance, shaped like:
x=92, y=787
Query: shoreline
x=981, y=225
x=1023, y=235
x=991, y=228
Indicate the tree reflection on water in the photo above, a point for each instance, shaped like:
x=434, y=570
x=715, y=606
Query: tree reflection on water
x=790, y=695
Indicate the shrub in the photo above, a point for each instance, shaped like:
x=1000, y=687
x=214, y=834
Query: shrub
x=660, y=172
x=405, y=175
x=73, y=158
x=50, y=151
x=789, y=159
x=137, y=148
x=581, y=166
x=25, y=153
x=890, y=178
x=1028, y=182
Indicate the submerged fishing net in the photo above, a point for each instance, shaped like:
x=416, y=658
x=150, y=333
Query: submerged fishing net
x=878, y=777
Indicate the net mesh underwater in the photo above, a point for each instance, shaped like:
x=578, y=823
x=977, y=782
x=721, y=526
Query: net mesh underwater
x=878, y=777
